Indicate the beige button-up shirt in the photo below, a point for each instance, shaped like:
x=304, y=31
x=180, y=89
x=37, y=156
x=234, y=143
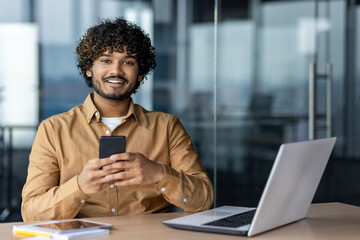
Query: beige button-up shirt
x=64, y=143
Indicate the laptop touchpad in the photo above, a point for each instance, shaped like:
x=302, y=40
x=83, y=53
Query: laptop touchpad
x=216, y=213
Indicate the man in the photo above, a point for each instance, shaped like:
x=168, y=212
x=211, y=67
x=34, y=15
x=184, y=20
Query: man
x=66, y=179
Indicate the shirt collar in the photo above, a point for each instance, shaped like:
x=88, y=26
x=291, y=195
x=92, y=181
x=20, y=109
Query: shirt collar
x=92, y=112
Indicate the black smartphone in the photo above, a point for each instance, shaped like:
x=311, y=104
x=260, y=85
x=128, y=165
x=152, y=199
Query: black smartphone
x=110, y=145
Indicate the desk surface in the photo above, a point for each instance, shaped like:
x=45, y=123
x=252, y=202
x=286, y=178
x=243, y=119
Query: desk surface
x=324, y=221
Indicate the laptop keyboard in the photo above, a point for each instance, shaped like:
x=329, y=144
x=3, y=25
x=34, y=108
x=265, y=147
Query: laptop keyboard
x=234, y=221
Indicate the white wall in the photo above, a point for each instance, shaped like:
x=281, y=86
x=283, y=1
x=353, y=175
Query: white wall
x=19, y=80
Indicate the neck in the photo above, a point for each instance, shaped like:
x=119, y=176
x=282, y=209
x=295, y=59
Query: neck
x=111, y=108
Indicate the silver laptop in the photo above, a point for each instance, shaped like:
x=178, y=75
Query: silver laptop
x=287, y=196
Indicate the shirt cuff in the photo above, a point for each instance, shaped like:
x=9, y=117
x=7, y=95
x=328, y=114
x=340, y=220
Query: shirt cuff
x=71, y=188
x=170, y=180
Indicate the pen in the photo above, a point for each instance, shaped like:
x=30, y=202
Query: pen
x=29, y=233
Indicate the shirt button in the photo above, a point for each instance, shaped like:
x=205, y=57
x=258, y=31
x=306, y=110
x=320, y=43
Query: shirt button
x=163, y=189
x=107, y=132
x=113, y=210
x=185, y=200
x=82, y=201
x=96, y=114
x=112, y=186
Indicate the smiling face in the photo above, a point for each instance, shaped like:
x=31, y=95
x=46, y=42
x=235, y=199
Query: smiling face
x=115, y=75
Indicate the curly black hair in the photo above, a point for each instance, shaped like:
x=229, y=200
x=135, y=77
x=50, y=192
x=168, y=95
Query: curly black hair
x=112, y=36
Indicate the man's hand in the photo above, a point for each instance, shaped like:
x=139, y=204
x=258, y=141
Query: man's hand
x=133, y=169
x=92, y=178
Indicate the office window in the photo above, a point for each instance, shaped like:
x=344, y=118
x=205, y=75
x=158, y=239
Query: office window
x=239, y=93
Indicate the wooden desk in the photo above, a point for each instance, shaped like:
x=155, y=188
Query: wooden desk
x=325, y=221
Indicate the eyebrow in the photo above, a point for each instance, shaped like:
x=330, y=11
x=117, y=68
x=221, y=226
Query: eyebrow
x=132, y=56
x=109, y=55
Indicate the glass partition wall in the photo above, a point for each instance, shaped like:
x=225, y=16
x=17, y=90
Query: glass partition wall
x=238, y=74
x=286, y=71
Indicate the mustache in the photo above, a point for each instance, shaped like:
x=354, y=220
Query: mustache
x=115, y=77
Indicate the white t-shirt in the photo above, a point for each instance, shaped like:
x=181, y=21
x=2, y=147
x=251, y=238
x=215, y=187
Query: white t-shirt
x=112, y=122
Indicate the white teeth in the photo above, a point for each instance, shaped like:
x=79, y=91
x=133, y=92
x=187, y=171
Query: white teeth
x=114, y=81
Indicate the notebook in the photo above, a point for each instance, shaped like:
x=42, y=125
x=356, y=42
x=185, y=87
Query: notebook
x=287, y=196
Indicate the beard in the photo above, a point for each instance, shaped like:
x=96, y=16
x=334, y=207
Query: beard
x=112, y=95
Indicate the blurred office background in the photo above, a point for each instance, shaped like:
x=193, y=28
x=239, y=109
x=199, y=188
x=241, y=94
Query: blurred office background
x=237, y=74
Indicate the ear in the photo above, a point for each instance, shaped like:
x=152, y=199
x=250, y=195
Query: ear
x=140, y=78
x=89, y=73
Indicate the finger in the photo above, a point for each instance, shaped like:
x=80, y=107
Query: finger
x=95, y=173
x=106, y=172
x=120, y=165
x=127, y=156
x=104, y=181
x=104, y=162
x=119, y=176
x=92, y=164
x=90, y=171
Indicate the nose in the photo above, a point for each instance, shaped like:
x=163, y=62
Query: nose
x=116, y=69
